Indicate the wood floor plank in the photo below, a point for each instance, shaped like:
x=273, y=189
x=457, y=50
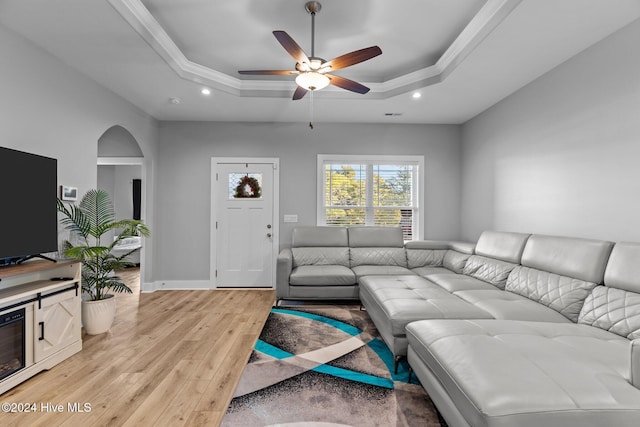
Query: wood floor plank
x=172, y=358
x=179, y=410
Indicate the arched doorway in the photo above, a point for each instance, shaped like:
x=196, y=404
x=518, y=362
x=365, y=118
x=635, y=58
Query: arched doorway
x=120, y=172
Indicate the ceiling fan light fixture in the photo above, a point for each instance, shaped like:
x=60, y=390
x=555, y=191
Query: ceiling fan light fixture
x=312, y=70
x=312, y=80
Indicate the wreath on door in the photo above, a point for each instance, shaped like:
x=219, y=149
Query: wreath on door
x=248, y=187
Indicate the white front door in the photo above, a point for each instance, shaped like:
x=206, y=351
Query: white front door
x=245, y=237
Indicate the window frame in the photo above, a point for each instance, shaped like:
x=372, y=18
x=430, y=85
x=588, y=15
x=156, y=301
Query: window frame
x=371, y=159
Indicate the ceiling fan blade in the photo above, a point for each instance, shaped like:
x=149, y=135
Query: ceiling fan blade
x=353, y=58
x=347, y=84
x=269, y=72
x=291, y=46
x=299, y=93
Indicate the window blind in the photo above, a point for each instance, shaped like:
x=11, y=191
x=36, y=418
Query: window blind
x=370, y=193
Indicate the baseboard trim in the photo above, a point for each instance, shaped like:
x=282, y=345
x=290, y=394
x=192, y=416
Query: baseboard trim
x=176, y=285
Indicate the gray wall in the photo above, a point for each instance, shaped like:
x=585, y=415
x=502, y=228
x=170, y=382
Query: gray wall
x=184, y=168
x=118, y=142
x=562, y=155
x=117, y=181
x=50, y=109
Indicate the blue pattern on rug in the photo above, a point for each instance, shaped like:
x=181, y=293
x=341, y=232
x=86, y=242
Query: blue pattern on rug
x=326, y=365
x=375, y=344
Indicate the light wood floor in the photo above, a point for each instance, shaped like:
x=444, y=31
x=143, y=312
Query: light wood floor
x=172, y=358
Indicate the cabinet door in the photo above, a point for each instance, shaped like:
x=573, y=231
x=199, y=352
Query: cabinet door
x=57, y=324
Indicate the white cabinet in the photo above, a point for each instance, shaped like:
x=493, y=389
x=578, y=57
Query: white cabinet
x=50, y=294
x=57, y=322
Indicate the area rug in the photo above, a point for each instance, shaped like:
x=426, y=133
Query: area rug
x=326, y=366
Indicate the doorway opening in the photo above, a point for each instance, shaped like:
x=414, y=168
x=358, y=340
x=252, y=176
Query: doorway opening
x=120, y=172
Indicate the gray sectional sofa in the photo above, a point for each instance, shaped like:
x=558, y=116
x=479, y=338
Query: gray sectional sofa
x=325, y=263
x=516, y=330
x=581, y=372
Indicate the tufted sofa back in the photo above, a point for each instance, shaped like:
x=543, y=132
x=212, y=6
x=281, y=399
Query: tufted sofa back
x=560, y=272
x=615, y=307
x=496, y=254
x=435, y=253
x=377, y=246
x=320, y=246
x=583, y=259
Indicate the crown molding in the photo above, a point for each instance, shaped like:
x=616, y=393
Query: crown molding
x=142, y=21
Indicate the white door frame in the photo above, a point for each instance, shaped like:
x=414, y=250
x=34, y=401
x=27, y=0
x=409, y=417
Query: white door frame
x=275, y=161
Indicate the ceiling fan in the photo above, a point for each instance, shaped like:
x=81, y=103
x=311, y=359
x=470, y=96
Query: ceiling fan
x=313, y=72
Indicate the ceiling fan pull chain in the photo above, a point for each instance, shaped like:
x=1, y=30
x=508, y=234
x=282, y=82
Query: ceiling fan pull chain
x=311, y=110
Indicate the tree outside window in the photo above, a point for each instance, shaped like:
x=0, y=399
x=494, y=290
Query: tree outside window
x=370, y=193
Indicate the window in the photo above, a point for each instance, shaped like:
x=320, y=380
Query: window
x=371, y=190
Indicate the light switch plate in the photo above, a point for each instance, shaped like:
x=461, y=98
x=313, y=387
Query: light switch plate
x=290, y=218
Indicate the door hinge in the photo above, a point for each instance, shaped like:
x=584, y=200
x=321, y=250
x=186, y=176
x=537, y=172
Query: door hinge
x=216, y=273
x=216, y=176
x=216, y=225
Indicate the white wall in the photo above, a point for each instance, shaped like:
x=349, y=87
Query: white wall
x=184, y=168
x=50, y=109
x=562, y=155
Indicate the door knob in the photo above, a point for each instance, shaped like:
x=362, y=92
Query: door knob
x=268, y=225
x=268, y=234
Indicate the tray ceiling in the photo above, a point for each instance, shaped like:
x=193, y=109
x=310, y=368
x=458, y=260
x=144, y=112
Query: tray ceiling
x=462, y=56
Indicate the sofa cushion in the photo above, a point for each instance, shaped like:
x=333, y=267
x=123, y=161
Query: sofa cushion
x=455, y=261
x=582, y=259
x=378, y=256
x=319, y=236
x=614, y=310
x=320, y=256
x=564, y=294
x=508, y=373
x=488, y=270
x=459, y=282
x=428, y=271
x=408, y=298
x=393, y=302
x=381, y=270
x=502, y=245
x=509, y=306
x=370, y=237
x=321, y=275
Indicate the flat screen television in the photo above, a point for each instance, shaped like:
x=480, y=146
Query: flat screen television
x=28, y=215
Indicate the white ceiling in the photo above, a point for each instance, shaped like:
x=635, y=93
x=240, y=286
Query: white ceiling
x=462, y=55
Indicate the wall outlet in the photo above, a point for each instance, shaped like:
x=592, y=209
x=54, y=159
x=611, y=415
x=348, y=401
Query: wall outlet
x=290, y=218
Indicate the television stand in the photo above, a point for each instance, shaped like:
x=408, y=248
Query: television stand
x=27, y=258
x=49, y=296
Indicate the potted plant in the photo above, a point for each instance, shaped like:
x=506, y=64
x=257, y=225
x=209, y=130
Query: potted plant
x=89, y=221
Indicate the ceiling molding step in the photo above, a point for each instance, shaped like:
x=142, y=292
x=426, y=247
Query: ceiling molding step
x=143, y=22
x=486, y=20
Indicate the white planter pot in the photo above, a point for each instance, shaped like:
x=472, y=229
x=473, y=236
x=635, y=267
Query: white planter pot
x=98, y=316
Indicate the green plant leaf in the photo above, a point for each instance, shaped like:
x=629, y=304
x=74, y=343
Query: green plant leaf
x=90, y=220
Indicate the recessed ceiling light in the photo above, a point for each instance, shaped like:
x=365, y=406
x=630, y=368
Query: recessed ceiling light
x=175, y=100
x=205, y=91
x=416, y=95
